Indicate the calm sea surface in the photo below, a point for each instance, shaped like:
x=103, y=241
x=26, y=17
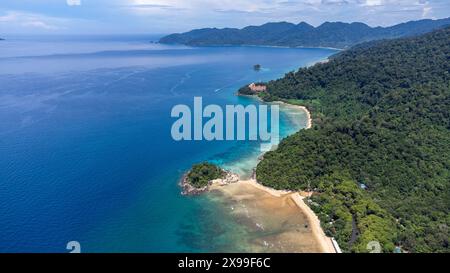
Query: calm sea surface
x=85, y=147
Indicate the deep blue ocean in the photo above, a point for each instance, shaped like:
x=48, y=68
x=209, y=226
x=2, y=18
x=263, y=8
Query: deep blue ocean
x=86, y=152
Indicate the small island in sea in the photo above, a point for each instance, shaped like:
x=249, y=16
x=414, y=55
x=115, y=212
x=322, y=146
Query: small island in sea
x=202, y=176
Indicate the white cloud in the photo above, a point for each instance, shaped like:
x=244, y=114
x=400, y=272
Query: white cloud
x=182, y=15
x=30, y=21
x=73, y=2
x=27, y=20
x=162, y=16
x=426, y=11
x=371, y=3
x=334, y=2
x=39, y=24
x=207, y=5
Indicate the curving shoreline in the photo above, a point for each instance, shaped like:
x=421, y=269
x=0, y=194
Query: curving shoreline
x=325, y=243
x=273, y=219
x=298, y=107
x=236, y=184
x=321, y=243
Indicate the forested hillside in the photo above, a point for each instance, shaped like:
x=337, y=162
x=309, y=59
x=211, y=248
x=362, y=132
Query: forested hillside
x=378, y=155
x=329, y=34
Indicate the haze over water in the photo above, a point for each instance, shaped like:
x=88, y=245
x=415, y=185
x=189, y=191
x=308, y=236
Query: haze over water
x=85, y=147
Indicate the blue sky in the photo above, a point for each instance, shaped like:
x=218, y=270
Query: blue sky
x=164, y=16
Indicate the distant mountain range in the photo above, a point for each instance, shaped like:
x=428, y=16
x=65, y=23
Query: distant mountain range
x=334, y=34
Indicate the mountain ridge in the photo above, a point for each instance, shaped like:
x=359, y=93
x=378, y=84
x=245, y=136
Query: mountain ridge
x=328, y=34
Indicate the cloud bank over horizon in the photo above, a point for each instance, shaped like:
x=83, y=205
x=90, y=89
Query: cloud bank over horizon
x=165, y=16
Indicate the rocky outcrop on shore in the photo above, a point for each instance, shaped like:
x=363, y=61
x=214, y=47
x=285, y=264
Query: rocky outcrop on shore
x=188, y=189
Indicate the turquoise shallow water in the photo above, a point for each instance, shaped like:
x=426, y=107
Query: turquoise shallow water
x=85, y=146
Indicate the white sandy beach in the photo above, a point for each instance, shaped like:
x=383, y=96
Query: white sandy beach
x=298, y=107
x=324, y=243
